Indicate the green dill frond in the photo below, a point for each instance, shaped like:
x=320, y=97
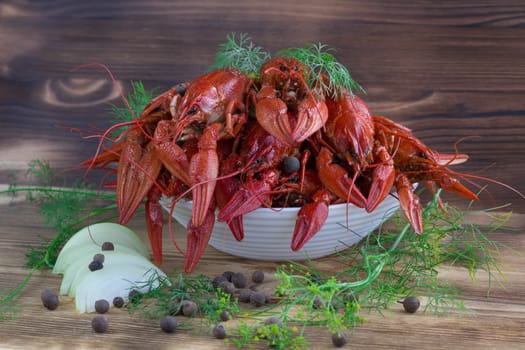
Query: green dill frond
x=8, y=310
x=392, y=263
x=169, y=297
x=65, y=210
x=138, y=99
x=40, y=172
x=240, y=53
x=327, y=75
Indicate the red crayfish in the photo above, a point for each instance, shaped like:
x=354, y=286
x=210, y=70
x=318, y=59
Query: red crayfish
x=233, y=143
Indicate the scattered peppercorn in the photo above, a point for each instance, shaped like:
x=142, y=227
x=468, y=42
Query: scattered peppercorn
x=227, y=287
x=239, y=280
x=101, y=306
x=410, y=304
x=218, y=280
x=244, y=295
x=118, y=302
x=273, y=320
x=99, y=257
x=219, y=332
x=258, y=298
x=317, y=303
x=339, y=339
x=100, y=324
x=258, y=276
x=180, y=89
x=95, y=265
x=189, y=308
x=108, y=246
x=49, y=299
x=228, y=275
x=225, y=315
x=168, y=324
x=134, y=295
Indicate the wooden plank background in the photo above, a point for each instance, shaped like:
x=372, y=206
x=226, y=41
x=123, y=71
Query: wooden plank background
x=448, y=70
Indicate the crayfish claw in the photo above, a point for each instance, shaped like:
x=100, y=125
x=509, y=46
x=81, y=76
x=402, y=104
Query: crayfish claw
x=383, y=177
x=272, y=115
x=198, y=238
x=310, y=219
x=137, y=171
x=409, y=203
x=203, y=171
x=312, y=116
x=237, y=228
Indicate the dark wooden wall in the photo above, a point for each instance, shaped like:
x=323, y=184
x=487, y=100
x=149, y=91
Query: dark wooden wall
x=448, y=70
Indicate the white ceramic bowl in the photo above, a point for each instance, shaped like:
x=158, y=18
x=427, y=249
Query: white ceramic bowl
x=268, y=233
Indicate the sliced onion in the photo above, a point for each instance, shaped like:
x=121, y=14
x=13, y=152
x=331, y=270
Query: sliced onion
x=77, y=262
x=97, y=234
x=113, y=281
x=124, y=268
x=84, y=254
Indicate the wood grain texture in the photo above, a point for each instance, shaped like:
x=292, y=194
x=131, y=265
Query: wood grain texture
x=448, y=70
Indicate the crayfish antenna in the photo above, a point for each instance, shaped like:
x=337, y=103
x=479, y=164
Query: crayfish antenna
x=134, y=122
x=155, y=222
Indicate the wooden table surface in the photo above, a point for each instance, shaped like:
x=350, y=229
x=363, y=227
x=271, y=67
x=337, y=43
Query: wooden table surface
x=447, y=70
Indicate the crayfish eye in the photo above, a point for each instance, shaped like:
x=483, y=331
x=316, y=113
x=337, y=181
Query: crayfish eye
x=283, y=68
x=180, y=89
x=422, y=155
x=193, y=109
x=296, y=68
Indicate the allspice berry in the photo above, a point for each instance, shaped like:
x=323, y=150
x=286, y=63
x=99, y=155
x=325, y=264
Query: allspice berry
x=100, y=324
x=168, y=324
x=49, y=299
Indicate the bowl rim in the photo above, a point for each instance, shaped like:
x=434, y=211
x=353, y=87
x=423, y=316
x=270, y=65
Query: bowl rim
x=265, y=209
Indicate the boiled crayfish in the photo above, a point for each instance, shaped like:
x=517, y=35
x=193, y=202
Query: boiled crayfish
x=233, y=142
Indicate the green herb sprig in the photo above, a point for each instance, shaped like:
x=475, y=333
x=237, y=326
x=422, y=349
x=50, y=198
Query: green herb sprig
x=240, y=53
x=390, y=264
x=65, y=211
x=326, y=76
x=138, y=98
x=169, y=297
x=67, y=208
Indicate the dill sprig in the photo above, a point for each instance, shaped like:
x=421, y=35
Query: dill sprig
x=66, y=208
x=240, y=53
x=326, y=74
x=280, y=336
x=388, y=265
x=8, y=310
x=138, y=99
x=169, y=298
x=65, y=211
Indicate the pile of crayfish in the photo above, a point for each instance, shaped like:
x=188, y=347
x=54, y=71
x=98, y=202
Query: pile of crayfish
x=232, y=143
